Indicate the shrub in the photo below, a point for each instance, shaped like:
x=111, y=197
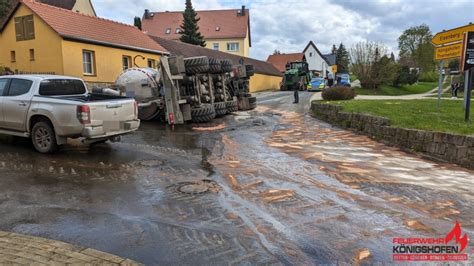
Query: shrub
x=428, y=77
x=338, y=93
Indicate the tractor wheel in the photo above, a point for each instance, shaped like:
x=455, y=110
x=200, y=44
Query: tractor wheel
x=221, y=108
x=252, y=102
x=232, y=106
x=196, y=65
x=203, y=114
x=215, y=66
x=226, y=65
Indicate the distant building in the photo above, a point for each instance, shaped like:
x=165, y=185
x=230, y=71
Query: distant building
x=280, y=60
x=317, y=63
x=80, y=6
x=223, y=30
x=39, y=38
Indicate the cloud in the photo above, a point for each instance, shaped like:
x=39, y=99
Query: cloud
x=288, y=25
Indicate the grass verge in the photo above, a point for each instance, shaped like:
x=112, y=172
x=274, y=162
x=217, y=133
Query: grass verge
x=420, y=87
x=415, y=114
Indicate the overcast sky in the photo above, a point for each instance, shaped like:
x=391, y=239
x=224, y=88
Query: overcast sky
x=288, y=25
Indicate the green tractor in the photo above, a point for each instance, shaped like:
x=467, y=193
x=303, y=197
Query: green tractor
x=297, y=76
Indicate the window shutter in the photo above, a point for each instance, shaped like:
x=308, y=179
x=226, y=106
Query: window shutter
x=29, y=28
x=19, y=29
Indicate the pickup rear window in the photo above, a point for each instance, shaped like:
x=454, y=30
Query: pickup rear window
x=52, y=87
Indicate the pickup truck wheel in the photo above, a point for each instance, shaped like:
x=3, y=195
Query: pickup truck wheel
x=43, y=137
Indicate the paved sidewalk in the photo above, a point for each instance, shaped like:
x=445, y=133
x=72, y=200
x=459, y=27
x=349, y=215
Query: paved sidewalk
x=29, y=250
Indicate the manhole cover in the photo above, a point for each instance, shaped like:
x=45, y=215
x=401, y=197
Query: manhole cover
x=197, y=187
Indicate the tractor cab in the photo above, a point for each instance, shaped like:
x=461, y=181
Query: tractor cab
x=297, y=76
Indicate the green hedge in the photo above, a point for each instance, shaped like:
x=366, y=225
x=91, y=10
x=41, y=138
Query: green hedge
x=428, y=77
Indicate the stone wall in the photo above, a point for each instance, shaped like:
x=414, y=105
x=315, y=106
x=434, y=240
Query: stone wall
x=448, y=147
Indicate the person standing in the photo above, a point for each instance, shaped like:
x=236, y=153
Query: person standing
x=296, y=88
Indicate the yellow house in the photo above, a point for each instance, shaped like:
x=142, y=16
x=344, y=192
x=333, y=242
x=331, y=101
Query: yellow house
x=223, y=30
x=79, y=6
x=39, y=38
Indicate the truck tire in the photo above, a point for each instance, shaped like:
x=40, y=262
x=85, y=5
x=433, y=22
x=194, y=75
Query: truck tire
x=203, y=114
x=253, y=102
x=226, y=65
x=196, y=65
x=215, y=66
x=43, y=137
x=221, y=108
x=232, y=106
x=250, y=69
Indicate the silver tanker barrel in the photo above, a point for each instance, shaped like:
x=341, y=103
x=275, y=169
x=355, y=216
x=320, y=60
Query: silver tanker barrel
x=144, y=85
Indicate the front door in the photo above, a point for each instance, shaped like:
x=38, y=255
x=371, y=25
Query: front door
x=16, y=103
x=3, y=88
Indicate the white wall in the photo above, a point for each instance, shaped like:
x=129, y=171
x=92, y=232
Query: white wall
x=315, y=61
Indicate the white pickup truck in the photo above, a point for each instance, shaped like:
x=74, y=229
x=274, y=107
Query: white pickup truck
x=49, y=109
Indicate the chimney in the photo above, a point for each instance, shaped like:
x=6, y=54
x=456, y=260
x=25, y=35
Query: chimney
x=243, y=11
x=147, y=14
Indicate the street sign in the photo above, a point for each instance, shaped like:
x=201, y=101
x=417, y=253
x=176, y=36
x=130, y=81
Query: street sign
x=450, y=36
x=448, y=51
x=334, y=68
x=467, y=54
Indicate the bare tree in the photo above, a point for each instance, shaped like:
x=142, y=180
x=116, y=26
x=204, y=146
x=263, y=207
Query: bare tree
x=365, y=58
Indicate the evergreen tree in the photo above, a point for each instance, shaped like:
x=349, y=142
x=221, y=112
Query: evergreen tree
x=138, y=23
x=392, y=57
x=189, y=29
x=5, y=6
x=342, y=59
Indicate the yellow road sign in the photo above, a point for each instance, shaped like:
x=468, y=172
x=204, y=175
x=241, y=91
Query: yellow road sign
x=334, y=68
x=450, y=36
x=448, y=51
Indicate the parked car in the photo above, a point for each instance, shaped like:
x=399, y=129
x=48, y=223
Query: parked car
x=317, y=84
x=343, y=80
x=50, y=109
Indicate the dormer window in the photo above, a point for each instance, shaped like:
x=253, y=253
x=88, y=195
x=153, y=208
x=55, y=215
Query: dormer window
x=178, y=30
x=168, y=31
x=218, y=28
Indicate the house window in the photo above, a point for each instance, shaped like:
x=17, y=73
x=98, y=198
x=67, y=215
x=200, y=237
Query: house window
x=178, y=30
x=168, y=31
x=13, y=56
x=32, y=54
x=310, y=54
x=88, y=62
x=24, y=28
x=233, y=46
x=126, y=62
x=215, y=46
x=151, y=63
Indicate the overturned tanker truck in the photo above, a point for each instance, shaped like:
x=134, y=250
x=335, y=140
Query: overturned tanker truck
x=195, y=89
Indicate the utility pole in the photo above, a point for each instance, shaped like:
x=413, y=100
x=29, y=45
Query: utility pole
x=440, y=83
x=467, y=99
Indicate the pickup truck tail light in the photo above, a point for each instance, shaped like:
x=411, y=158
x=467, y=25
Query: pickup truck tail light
x=84, y=114
x=135, y=110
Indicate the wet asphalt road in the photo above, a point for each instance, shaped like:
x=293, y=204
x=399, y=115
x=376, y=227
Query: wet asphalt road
x=281, y=188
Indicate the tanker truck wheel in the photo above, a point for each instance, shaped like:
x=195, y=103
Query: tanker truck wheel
x=203, y=114
x=252, y=102
x=221, y=108
x=232, y=106
x=226, y=65
x=196, y=65
x=215, y=66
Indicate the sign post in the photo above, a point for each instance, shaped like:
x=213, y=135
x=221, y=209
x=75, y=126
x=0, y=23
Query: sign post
x=467, y=63
x=440, y=83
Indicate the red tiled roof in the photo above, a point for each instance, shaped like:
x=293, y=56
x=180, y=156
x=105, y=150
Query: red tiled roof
x=230, y=23
x=85, y=28
x=280, y=60
x=188, y=50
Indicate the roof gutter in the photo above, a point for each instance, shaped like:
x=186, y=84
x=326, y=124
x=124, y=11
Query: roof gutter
x=113, y=45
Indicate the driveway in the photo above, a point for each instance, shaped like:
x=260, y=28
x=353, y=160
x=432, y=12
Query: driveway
x=275, y=186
